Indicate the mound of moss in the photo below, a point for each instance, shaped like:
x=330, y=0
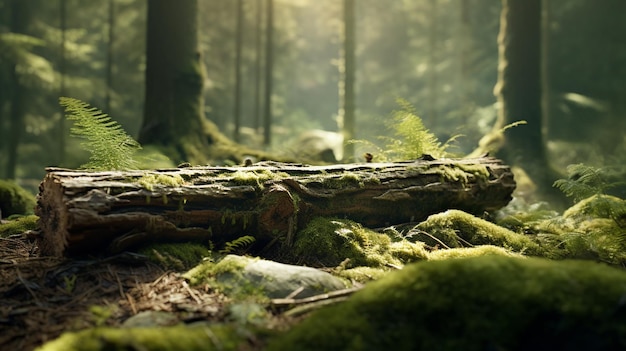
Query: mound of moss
x=482, y=303
x=328, y=242
x=456, y=228
x=188, y=338
x=15, y=200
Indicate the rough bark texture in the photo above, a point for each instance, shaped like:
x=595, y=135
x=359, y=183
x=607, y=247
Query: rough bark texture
x=82, y=212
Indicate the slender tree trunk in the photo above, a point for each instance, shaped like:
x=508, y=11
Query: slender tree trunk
x=269, y=68
x=173, y=111
x=347, y=81
x=20, y=17
x=519, y=92
x=109, y=61
x=432, y=64
x=464, y=53
x=257, y=67
x=62, y=68
x=238, y=45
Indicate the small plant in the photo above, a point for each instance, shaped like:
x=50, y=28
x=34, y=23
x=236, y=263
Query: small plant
x=412, y=139
x=238, y=244
x=585, y=181
x=111, y=148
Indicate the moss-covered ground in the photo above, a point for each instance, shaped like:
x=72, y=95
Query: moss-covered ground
x=454, y=281
x=482, y=303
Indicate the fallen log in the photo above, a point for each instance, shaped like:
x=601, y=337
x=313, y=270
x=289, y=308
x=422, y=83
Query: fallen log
x=84, y=212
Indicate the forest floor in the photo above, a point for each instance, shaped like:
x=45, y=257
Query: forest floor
x=42, y=297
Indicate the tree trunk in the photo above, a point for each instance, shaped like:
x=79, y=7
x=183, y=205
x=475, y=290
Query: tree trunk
x=173, y=111
x=269, y=73
x=20, y=18
x=82, y=212
x=519, y=92
x=347, y=81
x=238, y=46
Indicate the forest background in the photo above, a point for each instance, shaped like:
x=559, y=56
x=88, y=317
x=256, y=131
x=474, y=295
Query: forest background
x=439, y=55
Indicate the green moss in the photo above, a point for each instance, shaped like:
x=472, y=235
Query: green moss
x=460, y=172
x=362, y=274
x=482, y=303
x=594, y=228
x=15, y=200
x=178, y=256
x=453, y=227
x=226, y=275
x=329, y=242
x=18, y=225
x=482, y=250
x=148, y=181
x=188, y=338
x=597, y=206
x=254, y=177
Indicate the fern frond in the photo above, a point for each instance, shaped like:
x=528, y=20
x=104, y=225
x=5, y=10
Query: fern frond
x=583, y=181
x=109, y=145
x=237, y=244
x=412, y=139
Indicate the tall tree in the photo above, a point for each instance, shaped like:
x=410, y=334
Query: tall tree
x=109, y=60
x=20, y=17
x=238, y=45
x=61, y=128
x=257, y=66
x=347, y=69
x=173, y=111
x=519, y=92
x=269, y=73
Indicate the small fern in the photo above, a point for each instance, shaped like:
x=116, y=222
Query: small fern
x=109, y=145
x=411, y=138
x=238, y=244
x=583, y=181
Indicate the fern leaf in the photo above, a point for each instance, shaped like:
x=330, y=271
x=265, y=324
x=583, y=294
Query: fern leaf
x=413, y=139
x=583, y=181
x=237, y=244
x=107, y=142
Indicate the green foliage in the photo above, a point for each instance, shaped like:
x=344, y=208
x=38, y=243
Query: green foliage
x=584, y=181
x=177, y=256
x=238, y=244
x=110, y=147
x=412, y=139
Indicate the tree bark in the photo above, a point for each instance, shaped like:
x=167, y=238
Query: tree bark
x=519, y=93
x=174, y=103
x=82, y=212
x=347, y=70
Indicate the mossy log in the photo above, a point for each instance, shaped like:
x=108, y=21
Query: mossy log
x=84, y=212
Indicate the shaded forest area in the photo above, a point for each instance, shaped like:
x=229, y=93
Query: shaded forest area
x=441, y=56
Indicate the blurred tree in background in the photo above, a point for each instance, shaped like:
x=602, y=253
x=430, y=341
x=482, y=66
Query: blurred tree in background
x=439, y=55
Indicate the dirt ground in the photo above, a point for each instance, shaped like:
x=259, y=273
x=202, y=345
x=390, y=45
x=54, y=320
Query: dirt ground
x=42, y=297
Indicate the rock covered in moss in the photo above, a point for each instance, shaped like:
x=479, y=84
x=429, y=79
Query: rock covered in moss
x=241, y=274
x=483, y=303
x=15, y=200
